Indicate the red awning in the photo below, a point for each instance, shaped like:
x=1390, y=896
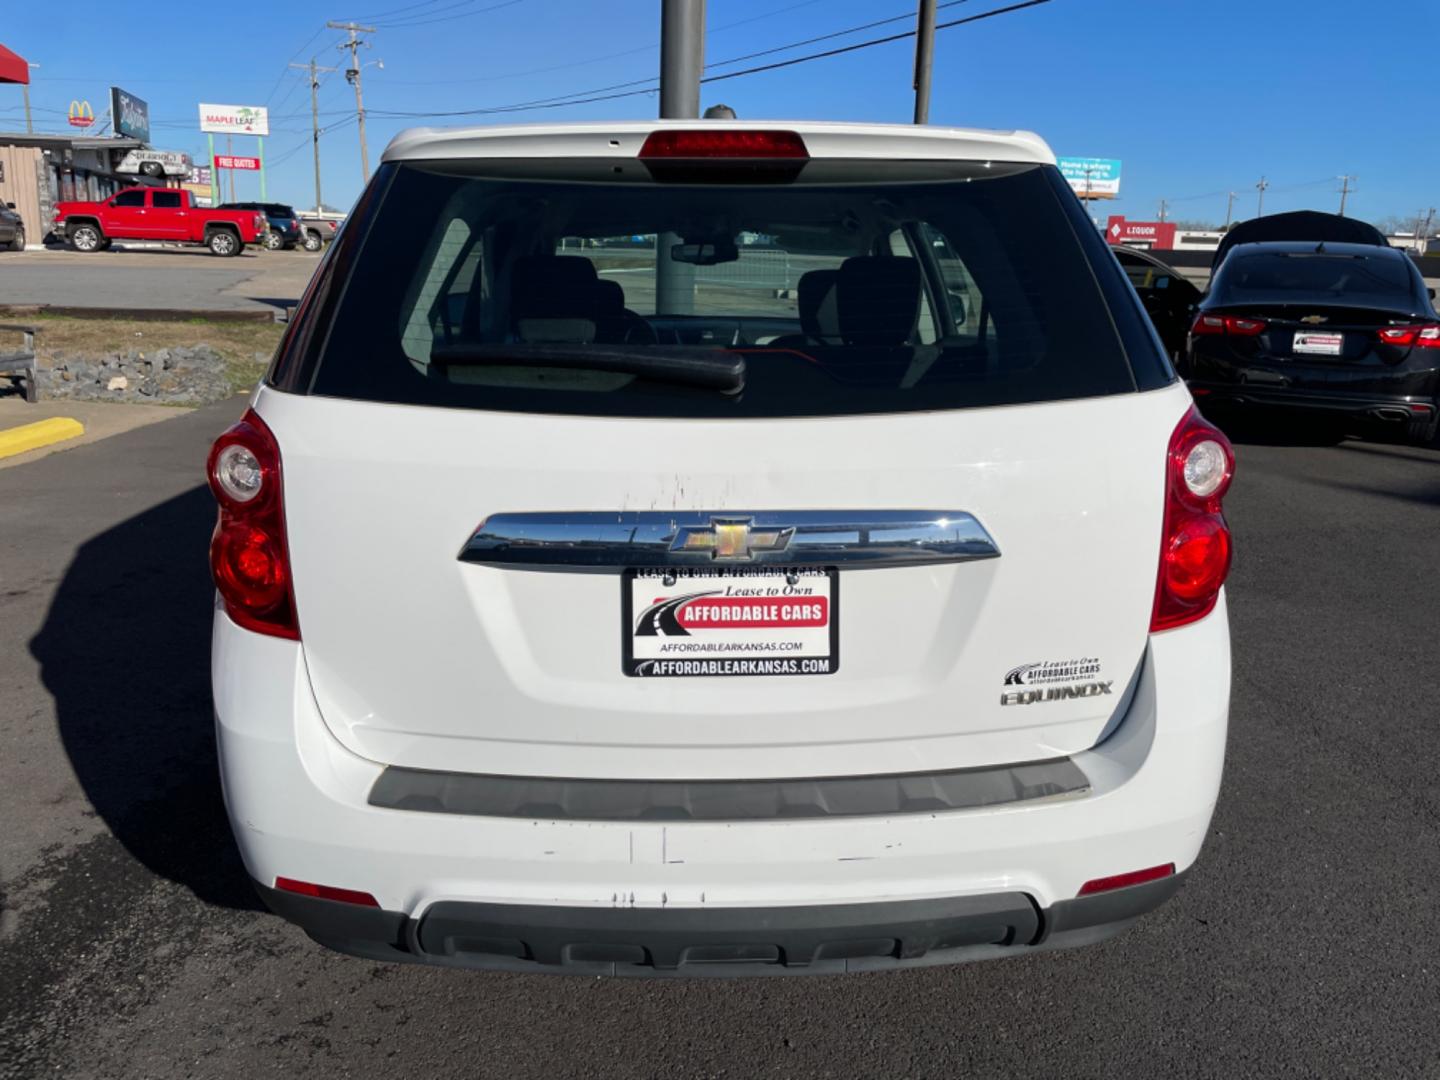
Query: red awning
x=13, y=69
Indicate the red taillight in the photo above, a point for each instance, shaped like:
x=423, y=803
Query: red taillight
x=249, y=558
x=1422, y=337
x=1195, y=544
x=326, y=892
x=724, y=143
x=1226, y=324
x=1120, y=881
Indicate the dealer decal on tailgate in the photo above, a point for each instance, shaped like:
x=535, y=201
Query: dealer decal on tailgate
x=731, y=621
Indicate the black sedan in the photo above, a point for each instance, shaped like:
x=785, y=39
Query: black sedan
x=1343, y=332
x=284, y=232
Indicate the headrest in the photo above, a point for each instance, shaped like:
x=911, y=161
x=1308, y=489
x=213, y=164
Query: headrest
x=815, y=297
x=878, y=298
x=554, y=298
x=609, y=298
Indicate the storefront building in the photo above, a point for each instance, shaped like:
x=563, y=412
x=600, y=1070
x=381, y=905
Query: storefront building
x=38, y=171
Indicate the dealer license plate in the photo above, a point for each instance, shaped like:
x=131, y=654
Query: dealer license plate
x=1318, y=344
x=731, y=621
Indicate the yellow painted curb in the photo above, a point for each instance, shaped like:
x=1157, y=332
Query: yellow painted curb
x=41, y=433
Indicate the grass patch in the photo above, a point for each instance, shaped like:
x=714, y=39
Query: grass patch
x=237, y=342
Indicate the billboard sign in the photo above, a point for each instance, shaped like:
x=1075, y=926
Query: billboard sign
x=81, y=114
x=131, y=115
x=1090, y=177
x=235, y=119
x=231, y=161
x=1149, y=234
x=199, y=174
x=154, y=163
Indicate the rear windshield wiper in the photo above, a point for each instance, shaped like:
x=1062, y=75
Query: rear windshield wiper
x=706, y=367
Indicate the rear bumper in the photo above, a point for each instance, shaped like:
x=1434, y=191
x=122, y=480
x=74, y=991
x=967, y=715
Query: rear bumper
x=719, y=942
x=298, y=802
x=1337, y=403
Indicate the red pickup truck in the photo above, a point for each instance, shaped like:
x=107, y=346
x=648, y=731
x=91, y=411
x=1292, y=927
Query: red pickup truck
x=156, y=213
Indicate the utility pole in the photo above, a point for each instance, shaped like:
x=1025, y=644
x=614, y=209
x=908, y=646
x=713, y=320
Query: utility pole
x=315, y=70
x=924, y=59
x=1260, y=203
x=682, y=59
x=352, y=76
x=25, y=90
x=1345, y=189
x=1422, y=229
x=1164, y=206
x=1229, y=211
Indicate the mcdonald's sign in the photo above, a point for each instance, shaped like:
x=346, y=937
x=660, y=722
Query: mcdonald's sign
x=81, y=114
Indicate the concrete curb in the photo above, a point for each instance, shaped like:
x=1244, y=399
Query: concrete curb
x=26, y=437
x=23, y=311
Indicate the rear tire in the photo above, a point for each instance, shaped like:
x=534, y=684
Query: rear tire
x=224, y=243
x=17, y=243
x=86, y=238
x=313, y=241
x=1423, y=432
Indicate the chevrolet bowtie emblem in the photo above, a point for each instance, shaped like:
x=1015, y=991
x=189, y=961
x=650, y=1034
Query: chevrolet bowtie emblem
x=1315, y=320
x=731, y=538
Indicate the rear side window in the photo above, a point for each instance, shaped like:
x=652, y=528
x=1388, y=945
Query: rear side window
x=850, y=288
x=166, y=200
x=1275, y=277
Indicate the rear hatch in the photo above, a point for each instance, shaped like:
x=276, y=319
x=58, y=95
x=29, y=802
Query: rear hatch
x=961, y=405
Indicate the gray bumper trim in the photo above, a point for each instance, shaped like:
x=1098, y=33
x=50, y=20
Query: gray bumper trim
x=720, y=942
x=552, y=799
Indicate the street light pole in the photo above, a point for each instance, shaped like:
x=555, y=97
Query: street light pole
x=682, y=59
x=352, y=74
x=315, y=70
x=1260, y=203
x=924, y=59
x=1229, y=211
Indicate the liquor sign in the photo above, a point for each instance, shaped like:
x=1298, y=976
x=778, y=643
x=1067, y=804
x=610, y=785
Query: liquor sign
x=1090, y=177
x=81, y=114
x=235, y=119
x=131, y=115
x=1149, y=234
x=231, y=161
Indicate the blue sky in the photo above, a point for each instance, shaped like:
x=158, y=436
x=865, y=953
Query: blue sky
x=1197, y=98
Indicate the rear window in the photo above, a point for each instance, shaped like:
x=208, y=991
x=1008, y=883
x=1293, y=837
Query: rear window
x=1275, y=277
x=852, y=288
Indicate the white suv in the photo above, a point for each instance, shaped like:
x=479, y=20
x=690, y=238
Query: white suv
x=719, y=548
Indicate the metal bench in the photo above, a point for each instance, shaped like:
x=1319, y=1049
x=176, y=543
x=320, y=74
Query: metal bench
x=21, y=364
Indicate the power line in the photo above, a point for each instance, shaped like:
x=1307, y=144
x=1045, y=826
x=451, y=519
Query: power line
x=400, y=10
x=286, y=70
x=405, y=25
x=651, y=48
x=585, y=97
x=873, y=42
x=831, y=36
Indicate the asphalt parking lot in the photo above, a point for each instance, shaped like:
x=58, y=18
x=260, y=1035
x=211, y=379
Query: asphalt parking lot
x=159, y=278
x=1303, y=945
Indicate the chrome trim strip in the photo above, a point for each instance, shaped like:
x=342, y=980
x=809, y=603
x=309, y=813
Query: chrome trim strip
x=570, y=799
x=598, y=541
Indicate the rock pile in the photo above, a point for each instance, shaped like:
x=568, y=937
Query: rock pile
x=192, y=375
